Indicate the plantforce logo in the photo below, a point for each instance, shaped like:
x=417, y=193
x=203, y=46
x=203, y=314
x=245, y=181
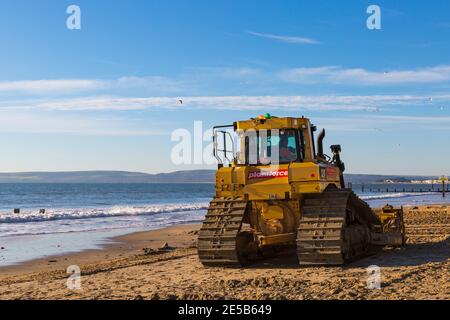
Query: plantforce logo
x=331, y=172
x=266, y=174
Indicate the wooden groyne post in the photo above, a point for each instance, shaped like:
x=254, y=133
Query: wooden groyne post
x=443, y=179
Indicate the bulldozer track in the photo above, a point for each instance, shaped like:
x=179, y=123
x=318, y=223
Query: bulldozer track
x=217, y=238
x=322, y=225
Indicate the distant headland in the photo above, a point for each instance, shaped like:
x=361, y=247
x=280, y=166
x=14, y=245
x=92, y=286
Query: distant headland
x=188, y=176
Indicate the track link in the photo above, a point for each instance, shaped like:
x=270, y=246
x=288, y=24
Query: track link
x=321, y=237
x=217, y=238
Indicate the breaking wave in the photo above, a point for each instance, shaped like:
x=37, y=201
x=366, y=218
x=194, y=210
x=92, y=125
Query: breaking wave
x=143, y=210
x=85, y=213
x=395, y=195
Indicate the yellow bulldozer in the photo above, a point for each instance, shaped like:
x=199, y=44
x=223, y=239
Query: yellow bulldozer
x=277, y=190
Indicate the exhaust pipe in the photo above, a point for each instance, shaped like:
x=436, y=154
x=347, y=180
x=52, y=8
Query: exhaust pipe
x=336, y=149
x=320, y=143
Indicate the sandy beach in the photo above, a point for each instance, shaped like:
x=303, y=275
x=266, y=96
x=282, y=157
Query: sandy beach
x=136, y=267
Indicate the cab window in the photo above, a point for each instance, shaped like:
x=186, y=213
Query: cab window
x=272, y=147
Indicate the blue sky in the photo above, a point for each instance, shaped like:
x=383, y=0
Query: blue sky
x=106, y=96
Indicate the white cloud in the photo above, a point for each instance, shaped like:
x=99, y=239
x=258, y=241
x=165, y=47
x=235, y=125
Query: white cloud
x=286, y=39
x=414, y=119
x=51, y=117
x=355, y=76
x=298, y=103
x=225, y=72
x=47, y=86
x=68, y=86
x=154, y=83
x=380, y=123
x=45, y=122
x=200, y=79
x=18, y=121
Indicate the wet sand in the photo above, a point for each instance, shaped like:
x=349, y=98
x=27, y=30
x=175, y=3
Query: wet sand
x=134, y=267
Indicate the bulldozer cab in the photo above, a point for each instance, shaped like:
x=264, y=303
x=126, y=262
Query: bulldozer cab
x=264, y=141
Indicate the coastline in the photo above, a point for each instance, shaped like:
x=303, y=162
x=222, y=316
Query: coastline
x=123, y=270
x=116, y=247
x=130, y=243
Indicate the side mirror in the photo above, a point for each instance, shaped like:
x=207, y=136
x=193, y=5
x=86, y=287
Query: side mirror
x=336, y=148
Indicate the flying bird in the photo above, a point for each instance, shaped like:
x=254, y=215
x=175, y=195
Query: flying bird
x=180, y=101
